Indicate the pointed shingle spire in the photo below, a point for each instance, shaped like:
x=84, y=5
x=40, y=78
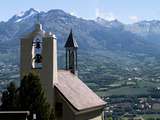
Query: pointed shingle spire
x=71, y=42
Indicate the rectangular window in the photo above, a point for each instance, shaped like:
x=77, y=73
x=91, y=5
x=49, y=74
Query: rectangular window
x=37, y=53
x=59, y=110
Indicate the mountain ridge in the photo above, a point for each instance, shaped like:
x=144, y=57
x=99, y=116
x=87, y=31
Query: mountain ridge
x=64, y=18
x=107, y=49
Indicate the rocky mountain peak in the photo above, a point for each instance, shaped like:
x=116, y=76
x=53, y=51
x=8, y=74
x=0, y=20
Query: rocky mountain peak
x=23, y=15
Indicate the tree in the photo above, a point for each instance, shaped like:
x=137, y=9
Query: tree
x=28, y=97
x=32, y=98
x=9, y=98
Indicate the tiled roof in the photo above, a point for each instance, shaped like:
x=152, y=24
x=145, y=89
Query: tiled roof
x=76, y=92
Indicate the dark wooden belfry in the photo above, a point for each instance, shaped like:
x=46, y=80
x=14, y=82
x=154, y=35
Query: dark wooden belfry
x=71, y=54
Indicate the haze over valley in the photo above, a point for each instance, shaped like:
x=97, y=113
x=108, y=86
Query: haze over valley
x=112, y=54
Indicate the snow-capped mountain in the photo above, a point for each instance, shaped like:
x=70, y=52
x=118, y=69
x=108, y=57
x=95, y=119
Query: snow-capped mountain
x=142, y=28
x=109, y=24
x=145, y=28
x=23, y=15
x=91, y=35
x=112, y=44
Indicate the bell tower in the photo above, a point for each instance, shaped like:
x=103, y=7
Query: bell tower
x=39, y=56
x=71, y=54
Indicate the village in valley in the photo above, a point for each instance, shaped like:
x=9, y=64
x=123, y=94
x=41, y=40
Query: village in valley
x=64, y=63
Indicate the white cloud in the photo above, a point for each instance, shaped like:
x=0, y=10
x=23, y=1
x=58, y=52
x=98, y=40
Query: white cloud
x=105, y=15
x=134, y=18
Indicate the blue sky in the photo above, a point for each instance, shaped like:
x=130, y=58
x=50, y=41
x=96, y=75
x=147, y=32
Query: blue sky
x=127, y=11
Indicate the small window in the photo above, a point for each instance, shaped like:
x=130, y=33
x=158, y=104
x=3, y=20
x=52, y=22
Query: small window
x=59, y=110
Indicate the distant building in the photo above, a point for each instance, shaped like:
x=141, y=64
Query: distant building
x=69, y=96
